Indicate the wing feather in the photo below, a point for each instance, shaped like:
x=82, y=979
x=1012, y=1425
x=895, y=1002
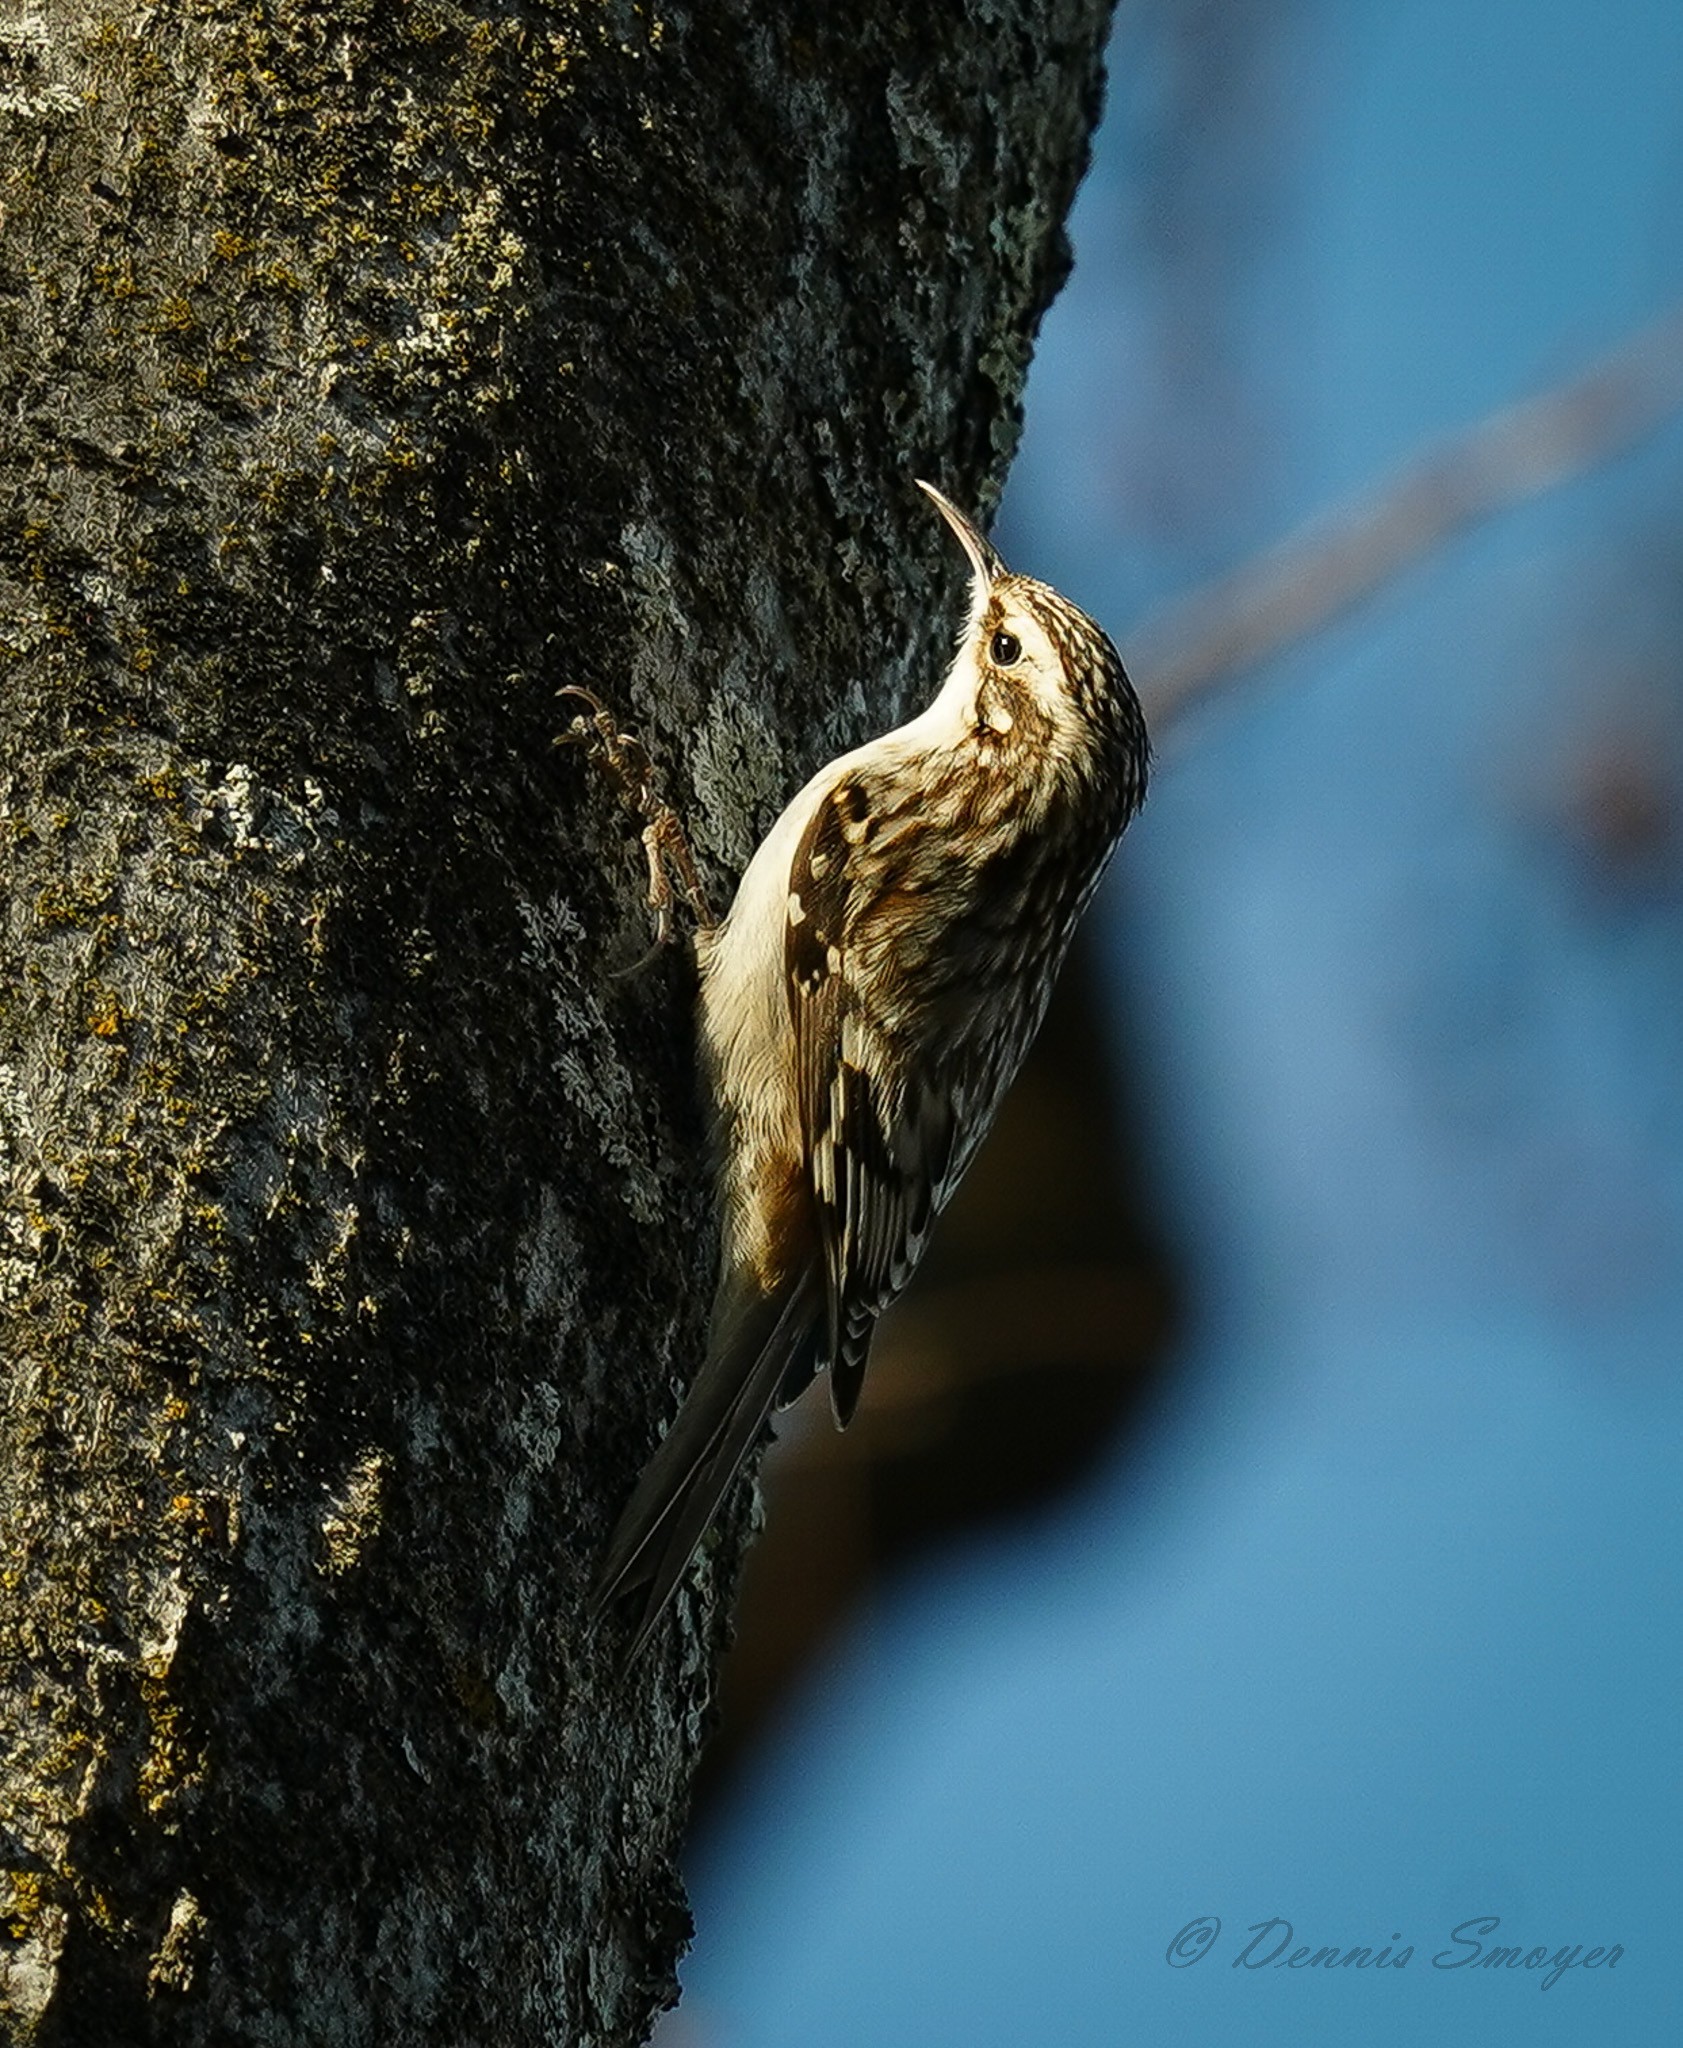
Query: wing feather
x=876, y=1115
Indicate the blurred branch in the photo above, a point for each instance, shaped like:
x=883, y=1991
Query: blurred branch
x=1308, y=579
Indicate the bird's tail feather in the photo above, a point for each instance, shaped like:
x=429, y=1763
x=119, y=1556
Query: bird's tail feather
x=756, y=1338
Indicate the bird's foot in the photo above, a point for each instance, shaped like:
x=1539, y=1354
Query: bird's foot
x=672, y=868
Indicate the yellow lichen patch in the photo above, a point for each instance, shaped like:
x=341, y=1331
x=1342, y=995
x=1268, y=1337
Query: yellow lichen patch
x=73, y=902
x=106, y=1016
x=100, y=1910
x=71, y=1756
x=207, y=1517
x=171, y=1759
x=163, y=1760
x=354, y=1517
x=116, y=281
x=172, y=1965
x=19, y=1913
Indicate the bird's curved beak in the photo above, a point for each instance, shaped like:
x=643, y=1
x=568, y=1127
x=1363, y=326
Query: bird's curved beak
x=985, y=565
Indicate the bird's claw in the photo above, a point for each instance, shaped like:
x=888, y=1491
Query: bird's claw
x=627, y=761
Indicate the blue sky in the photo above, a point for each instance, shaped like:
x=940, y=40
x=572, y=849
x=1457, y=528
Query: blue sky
x=1376, y=1628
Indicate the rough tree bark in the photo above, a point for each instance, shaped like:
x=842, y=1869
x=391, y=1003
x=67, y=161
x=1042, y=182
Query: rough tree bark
x=369, y=372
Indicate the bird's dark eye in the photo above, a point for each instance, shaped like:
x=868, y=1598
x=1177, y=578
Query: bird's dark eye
x=1004, y=648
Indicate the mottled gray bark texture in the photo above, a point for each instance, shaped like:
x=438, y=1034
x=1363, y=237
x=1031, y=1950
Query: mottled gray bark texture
x=369, y=372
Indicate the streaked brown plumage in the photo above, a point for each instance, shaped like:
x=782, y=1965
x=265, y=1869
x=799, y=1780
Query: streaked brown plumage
x=865, y=1004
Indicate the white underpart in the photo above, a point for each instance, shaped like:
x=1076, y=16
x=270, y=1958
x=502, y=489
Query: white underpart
x=745, y=1022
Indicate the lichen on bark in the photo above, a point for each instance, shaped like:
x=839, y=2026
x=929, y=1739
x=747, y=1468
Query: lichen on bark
x=371, y=373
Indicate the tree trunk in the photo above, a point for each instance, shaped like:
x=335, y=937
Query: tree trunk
x=369, y=374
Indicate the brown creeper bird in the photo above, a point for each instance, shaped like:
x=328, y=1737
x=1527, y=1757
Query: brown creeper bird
x=864, y=1005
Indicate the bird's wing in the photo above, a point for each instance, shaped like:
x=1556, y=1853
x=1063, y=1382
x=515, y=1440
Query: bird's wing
x=877, y=1117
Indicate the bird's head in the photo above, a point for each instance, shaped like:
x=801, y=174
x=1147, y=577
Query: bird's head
x=1031, y=648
